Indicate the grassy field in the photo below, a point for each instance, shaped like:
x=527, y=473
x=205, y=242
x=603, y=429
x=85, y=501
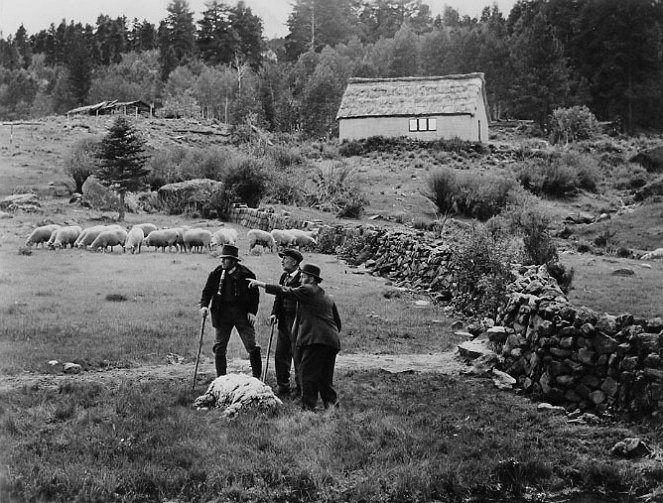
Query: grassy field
x=399, y=437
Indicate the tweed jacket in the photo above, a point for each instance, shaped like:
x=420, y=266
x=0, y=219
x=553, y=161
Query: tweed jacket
x=286, y=305
x=246, y=298
x=317, y=320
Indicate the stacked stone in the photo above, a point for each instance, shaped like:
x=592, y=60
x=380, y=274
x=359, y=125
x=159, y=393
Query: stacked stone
x=576, y=356
x=265, y=219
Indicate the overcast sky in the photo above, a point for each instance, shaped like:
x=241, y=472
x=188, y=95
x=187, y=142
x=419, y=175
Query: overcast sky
x=36, y=15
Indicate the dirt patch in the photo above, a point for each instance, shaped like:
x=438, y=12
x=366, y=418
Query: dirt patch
x=449, y=363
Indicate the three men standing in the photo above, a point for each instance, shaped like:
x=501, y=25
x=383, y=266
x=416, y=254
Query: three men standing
x=284, y=311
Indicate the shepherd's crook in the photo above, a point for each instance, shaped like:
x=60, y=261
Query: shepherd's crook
x=200, y=345
x=269, y=348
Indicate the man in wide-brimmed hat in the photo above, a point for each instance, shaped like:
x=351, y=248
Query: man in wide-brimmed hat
x=316, y=328
x=284, y=311
x=234, y=304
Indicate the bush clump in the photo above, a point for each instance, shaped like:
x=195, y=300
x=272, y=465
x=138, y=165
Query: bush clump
x=480, y=197
x=81, y=161
x=481, y=268
x=335, y=189
x=569, y=125
x=558, y=174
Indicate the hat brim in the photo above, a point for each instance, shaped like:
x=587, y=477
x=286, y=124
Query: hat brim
x=230, y=256
x=282, y=255
x=312, y=275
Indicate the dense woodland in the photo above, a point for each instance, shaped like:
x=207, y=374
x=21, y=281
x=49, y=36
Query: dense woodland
x=543, y=55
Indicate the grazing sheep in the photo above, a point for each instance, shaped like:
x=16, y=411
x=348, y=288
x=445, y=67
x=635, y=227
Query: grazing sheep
x=41, y=235
x=162, y=238
x=260, y=237
x=109, y=238
x=147, y=228
x=225, y=236
x=134, y=239
x=196, y=239
x=282, y=237
x=303, y=239
x=88, y=235
x=64, y=236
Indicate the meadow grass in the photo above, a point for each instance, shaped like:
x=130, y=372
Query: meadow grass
x=119, y=309
x=397, y=438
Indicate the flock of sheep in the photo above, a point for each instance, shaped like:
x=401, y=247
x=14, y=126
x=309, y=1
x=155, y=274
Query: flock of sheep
x=104, y=237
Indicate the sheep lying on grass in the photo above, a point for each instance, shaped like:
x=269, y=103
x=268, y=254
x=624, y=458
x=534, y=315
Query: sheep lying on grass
x=260, y=237
x=236, y=392
x=41, y=235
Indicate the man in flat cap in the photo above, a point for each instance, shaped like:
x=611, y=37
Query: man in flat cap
x=234, y=304
x=283, y=313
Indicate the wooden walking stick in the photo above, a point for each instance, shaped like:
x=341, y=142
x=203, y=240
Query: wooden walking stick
x=269, y=348
x=200, y=346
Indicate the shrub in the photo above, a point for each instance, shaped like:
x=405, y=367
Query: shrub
x=81, y=161
x=178, y=164
x=572, y=124
x=630, y=176
x=586, y=167
x=547, y=177
x=334, y=188
x=246, y=181
x=473, y=196
x=284, y=157
x=481, y=268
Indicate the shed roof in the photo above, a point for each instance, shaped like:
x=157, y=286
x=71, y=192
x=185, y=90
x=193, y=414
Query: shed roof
x=413, y=96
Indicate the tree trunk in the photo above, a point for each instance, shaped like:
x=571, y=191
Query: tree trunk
x=120, y=210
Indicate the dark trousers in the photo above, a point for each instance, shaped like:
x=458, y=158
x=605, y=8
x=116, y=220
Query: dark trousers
x=285, y=353
x=234, y=316
x=316, y=372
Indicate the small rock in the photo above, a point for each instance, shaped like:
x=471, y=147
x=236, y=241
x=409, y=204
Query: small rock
x=456, y=325
x=421, y=303
x=623, y=272
x=550, y=407
x=53, y=362
x=72, y=368
x=502, y=380
x=630, y=448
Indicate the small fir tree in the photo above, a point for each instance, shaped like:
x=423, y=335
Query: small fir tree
x=122, y=161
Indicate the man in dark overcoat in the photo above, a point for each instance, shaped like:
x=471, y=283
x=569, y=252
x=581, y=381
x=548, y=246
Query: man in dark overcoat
x=283, y=312
x=234, y=304
x=316, y=328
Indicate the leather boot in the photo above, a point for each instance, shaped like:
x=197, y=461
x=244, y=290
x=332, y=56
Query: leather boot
x=256, y=363
x=220, y=363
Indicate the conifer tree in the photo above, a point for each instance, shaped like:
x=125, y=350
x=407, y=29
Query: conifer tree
x=122, y=161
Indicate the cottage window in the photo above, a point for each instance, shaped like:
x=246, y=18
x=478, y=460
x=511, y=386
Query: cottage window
x=423, y=125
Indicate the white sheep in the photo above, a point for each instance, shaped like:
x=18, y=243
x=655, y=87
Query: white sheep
x=225, y=236
x=161, y=238
x=652, y=255
x=196, y=239
x=304, y=239
x=260, y=237
x=64, y=236
x=109, y=238
x=41, y=235
x=134, y=239
x=147, y=228
x=88, y=235
x=282, y=237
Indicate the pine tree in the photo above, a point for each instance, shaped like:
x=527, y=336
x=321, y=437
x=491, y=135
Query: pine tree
x=122, y=161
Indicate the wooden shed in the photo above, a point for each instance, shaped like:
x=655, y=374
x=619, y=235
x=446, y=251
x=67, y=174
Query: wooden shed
x=423, y=108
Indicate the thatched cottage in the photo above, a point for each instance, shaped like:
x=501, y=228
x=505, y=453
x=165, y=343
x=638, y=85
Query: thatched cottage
x=424, y=108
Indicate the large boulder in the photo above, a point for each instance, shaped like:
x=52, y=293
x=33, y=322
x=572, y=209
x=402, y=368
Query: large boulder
x=20, y=202
x=201, y=195
x=98, y=196
x=651, y=160
x=652, y=189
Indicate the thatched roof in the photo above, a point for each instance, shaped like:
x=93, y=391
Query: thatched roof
x=412, y=96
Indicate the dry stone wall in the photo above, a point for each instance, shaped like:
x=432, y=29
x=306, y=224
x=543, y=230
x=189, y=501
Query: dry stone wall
x=557, y=352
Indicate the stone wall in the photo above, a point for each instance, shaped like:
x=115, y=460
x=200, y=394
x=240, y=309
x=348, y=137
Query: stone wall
x=558, y=352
